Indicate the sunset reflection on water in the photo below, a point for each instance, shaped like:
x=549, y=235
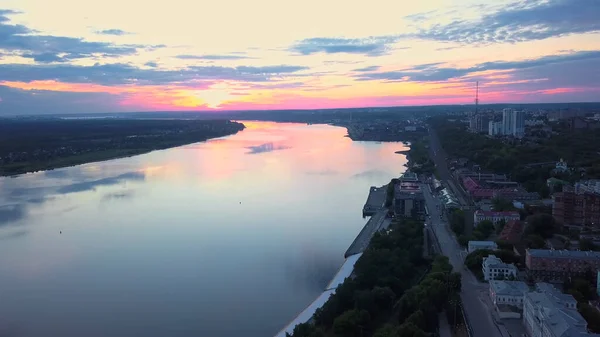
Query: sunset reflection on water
x=244, y=230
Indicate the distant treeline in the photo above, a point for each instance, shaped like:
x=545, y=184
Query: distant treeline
x=28, y=145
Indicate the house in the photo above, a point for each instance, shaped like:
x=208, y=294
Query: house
x=512, y=232
x=561, y=166
x=494, y=217
x=508, y=292
x=477, y=245
x=548, y=312
x=493, y=268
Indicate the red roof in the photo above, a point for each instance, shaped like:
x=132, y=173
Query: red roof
x=512, y=231
x=470, y=184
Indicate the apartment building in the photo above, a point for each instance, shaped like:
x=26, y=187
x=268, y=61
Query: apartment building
x=573, y=208
x=556, y=265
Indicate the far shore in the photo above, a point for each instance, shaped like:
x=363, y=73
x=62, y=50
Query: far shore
x=37, y=146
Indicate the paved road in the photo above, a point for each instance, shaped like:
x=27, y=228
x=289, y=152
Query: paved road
x=439, y=156
x=361, y=242
x=478, y=313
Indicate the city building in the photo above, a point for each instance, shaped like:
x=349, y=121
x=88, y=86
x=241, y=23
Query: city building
x=507, y=121
x=512, y=232
x=598, y=282
x=408, y=200
x=518, y=124
x=409, y=176
x=495, y=128
x=513, y=122
x=493, y=216
x=477, y=245
x=448, y=199
x=548, y=312
x=508, y=292
x=561, y=166
x=481, y=122
x=556, y=265
x=573, y=208
x=493, y=268
x=587, y=186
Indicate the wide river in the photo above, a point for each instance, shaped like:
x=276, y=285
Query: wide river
x=230, y=237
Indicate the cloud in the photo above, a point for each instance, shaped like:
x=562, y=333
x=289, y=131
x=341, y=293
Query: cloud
x=532, y=20
x=151, y=64
x=127, y=194
x=371, y=46
x=119, y=74
x=116, y=32
x=91, y=185
x=212, y=57
x=266, y=147
x=371, y=68
x=431, y=71
x=47, y=48
x=11, y=213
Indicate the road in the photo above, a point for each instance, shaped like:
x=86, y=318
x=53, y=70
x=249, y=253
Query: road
x=437, y=153
x=477, y=312
x=361, y=242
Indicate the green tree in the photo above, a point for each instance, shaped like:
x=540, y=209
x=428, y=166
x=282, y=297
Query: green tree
x=463, y=240
x=591, y=315
x=387, y=330
x=587, y=244
x=500, y=226
x=486, y=228
x=541, y=224
x=410, y=330
x=457, y=222
x=584, y=288
x=535, y=241
x=351, y=323
x=501, y=205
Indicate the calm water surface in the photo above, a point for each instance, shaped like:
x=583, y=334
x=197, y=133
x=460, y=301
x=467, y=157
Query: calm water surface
x=231, y=237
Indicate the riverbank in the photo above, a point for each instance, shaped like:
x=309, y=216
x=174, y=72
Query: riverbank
x=46, y=144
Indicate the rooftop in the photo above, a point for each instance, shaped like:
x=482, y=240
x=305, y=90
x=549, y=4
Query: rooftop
x=558, y=313
x=509, y=288
x=567, y=254
x=407, y=187
x=493, y=262
x=512, y=231
x=482, y=243
x=496, y=214
x=409, y=176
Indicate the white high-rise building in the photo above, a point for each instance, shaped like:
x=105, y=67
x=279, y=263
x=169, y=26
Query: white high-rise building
x=518, y=120
x=495, y=128
x=507, y=121
x=513, y=122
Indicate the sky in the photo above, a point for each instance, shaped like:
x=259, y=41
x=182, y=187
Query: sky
x=74, y=56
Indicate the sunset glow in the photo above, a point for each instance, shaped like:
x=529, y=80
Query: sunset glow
x=238, y=55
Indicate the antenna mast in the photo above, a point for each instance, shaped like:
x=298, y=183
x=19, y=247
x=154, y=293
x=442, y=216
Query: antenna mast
x=477, y=97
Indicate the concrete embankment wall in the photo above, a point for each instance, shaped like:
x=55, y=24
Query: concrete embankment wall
x=345, y=271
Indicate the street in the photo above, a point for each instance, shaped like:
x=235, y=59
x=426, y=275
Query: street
x=477, y=312
x=438, y=155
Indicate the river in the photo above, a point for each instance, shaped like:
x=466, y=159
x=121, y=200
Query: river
x=229, y=237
